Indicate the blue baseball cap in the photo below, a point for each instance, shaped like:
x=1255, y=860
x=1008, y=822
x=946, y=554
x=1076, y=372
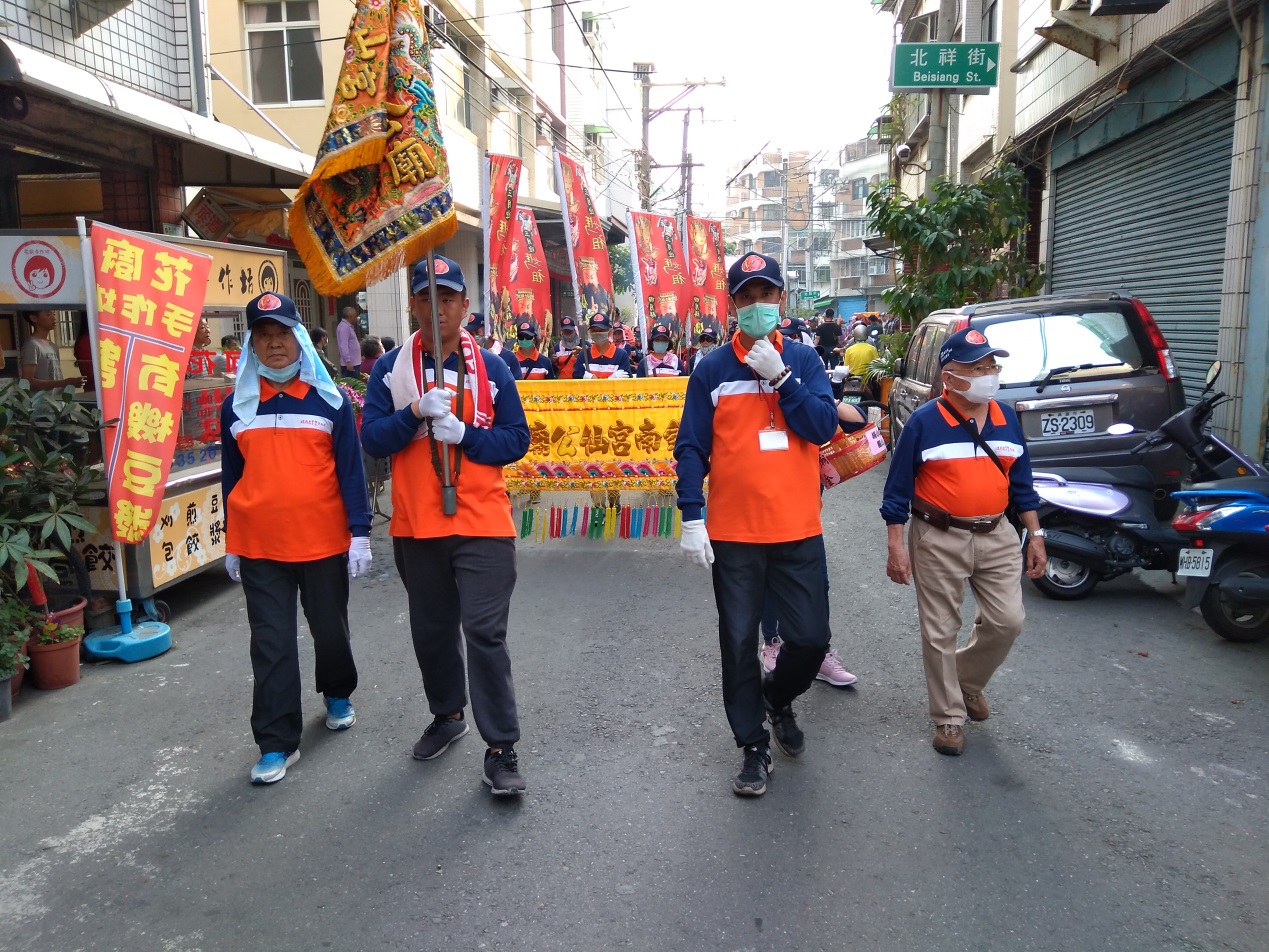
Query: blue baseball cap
x=751, y=266
x=659, y=330
x=567, y=324
x=792, y=326
x=475, y=324
x=599, y=322
x=967, y=347
x=273, y=307
x=448, y=275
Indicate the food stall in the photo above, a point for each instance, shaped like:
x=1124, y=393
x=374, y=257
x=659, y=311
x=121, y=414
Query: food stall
x=188, y=535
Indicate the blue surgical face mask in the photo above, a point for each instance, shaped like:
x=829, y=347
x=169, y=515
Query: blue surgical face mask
x=758, y=319
x=660, y=346
x=281, y=374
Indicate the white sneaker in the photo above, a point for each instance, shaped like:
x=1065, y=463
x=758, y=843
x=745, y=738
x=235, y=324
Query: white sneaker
x=832, y=671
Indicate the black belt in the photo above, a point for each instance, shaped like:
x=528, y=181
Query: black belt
x=942, y=519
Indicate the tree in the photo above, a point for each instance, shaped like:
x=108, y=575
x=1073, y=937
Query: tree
x=965, y=244
x=622, y=276
x=730, y=247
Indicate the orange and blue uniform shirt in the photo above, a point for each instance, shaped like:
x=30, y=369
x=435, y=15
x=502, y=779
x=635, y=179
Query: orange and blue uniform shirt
x=535, y=365
x=938, y=462
x=754, y=495
x=484, y=510
x=601, y=363
x=292, y=479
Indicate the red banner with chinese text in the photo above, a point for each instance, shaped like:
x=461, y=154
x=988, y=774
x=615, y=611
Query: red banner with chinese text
x=502, y=180
x=588, y=248
x=527, y=289
x=149, y=300
x=660, y=270
x=707, y=278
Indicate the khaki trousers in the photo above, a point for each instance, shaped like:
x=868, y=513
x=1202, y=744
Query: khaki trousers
x=942, y=561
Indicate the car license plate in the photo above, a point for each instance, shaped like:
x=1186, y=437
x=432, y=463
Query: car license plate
x=1061, y=423
x=1196, y=562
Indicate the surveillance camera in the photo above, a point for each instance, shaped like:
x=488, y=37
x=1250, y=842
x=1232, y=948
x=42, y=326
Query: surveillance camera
x=903, y=152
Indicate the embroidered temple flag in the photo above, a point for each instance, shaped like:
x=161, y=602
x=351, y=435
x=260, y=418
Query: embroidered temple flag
x=660, y=272
x=502, y=180
x=379, y=197
x=587, y=245
x=708, y=276
x=526, y=288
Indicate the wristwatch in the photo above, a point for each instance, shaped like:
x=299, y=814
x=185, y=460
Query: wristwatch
x=1038, y=534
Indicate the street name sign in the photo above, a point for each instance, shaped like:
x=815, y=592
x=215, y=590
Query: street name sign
x=944, y=65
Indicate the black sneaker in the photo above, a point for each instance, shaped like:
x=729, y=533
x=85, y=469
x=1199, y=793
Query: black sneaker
x=442, y=732
x=752, y=779
x=502, y=773
x=784, y=728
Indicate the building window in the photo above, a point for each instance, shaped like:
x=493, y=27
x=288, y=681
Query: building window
x=856, y=228
x=827, y=209
x=285, y=52
x=988, y=34
x=746, y=246
x=878, y=265
x=771, y=213
x=769, y=246
x=463, y=107
x=303, y=297
x=770, y=179
x=859, y=189
x=822, y=274
x=828, y=176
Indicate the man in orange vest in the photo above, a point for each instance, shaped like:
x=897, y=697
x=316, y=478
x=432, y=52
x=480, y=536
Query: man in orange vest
x=459, y=570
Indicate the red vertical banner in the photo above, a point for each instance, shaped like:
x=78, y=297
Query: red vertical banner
x=527, y=285
x=661, y=278
x=502, y=182
x=708, y=276
x=588, y=248
x=149, y=298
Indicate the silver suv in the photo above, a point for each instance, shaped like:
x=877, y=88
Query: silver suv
x=1076, y=365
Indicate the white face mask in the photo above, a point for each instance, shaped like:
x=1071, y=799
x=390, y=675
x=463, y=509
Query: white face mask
x=981, y=389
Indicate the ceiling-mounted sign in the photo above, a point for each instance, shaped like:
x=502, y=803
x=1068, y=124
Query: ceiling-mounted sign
x=41, y=271
x=945, y=66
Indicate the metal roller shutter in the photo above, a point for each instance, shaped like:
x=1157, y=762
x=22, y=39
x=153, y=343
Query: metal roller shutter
x=1147, y=214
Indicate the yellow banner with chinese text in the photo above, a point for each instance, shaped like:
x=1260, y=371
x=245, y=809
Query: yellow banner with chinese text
x=600, y=434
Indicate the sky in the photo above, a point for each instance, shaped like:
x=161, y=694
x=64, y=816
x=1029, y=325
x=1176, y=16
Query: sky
x=804, y=74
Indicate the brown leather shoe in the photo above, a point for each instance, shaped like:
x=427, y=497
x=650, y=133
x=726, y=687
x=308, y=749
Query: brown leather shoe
x=976, y=706
x=949, y=739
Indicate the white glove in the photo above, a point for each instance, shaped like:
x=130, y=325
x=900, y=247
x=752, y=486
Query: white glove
x=695, y=542
x=359, y=556
x=588, y=376
x=233, y=566
x=839, y=373
x=765, y=359
x=449, y=429
x=436, y=402
x=618, y=374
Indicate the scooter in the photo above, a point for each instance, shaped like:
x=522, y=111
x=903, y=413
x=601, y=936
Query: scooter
x=1226, y=561
x=1099, y=524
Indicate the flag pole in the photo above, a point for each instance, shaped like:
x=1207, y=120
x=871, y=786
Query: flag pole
x=449, y=493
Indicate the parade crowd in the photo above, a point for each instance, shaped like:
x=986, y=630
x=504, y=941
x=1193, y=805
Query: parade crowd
x=758, y=407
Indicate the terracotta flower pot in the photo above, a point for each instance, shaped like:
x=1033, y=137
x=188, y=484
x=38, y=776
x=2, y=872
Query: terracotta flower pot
x=71, y=615
x=15, y=682
x=55, y=666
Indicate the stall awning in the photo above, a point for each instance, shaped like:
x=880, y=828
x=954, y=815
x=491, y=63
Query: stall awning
x=212, y=153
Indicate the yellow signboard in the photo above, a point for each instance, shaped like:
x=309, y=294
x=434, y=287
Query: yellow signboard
x=599, y=434
x=239, y=273
x=189, y=532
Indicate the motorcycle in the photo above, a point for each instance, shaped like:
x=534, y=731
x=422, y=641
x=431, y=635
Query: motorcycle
x=1226, y=561
x=1101, y=523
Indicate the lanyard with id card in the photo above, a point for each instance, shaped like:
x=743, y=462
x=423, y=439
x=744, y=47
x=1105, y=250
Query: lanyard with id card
x=771, y=439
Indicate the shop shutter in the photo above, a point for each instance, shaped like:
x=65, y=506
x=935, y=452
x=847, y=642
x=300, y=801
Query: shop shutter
x=1147, y=214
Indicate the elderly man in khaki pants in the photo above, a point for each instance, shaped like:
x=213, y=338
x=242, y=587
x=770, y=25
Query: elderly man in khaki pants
x=958, y=464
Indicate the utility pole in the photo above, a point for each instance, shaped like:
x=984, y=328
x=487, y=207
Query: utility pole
x=937, y=144
x=646, y=165
x=784, y=218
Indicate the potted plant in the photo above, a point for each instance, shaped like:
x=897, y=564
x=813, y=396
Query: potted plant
x=890, y=350
x=16, y=621
x=54, y=654
x=48, y=442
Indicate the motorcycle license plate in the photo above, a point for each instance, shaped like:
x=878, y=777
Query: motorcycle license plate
x=1061, y=423
x=1195, y=562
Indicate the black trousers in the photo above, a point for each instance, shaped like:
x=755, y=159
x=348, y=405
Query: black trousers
x=270, y=588
x=791, y=574
x=459, y=589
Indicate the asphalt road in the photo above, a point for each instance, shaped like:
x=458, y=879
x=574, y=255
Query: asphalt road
x=1115, y=800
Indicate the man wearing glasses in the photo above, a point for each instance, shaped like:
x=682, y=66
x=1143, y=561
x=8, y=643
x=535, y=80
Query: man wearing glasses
x=958, y=464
